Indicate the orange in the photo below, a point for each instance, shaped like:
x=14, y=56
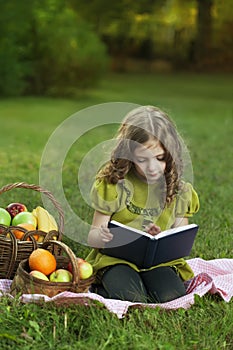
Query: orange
x=42, y=260
x=29, y=227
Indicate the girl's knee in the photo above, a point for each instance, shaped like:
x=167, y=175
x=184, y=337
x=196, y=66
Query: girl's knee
x=122, y=282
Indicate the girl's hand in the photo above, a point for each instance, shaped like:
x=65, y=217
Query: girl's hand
x=99, y=233
x=153, y=229
x=105, y=234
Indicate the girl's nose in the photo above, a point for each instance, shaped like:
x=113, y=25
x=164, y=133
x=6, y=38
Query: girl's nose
x=153, y=165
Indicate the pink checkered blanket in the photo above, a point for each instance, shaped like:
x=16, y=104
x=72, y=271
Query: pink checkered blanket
x=212, y=276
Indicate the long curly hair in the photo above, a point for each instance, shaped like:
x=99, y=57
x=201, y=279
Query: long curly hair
x=140, y=125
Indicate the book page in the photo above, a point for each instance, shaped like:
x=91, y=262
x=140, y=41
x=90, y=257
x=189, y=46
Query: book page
x=171, y=231
x=129, y=228
x=159, y=235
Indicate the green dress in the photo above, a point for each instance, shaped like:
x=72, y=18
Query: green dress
x=135, y=203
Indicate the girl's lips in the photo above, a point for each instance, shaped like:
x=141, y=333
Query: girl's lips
x=154, y=176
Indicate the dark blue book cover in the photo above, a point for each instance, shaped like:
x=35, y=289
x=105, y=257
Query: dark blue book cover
x=145, y=250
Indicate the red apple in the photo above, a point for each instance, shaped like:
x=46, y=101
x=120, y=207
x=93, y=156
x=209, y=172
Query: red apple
x=61, y=275
x=39, y=275
x=25, y=217
x=69, y=267
x=5, y=218
x=15, y=208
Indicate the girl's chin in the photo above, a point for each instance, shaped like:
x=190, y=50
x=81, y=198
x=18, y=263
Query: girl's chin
x=152, y=179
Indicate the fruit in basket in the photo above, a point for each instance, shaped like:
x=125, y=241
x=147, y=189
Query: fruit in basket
x=5, y=218
x=85, y=268
x=25, y=217
x=42, y=260
x=45, y=221
x=15, y=208
x=61, y=275
x=39, y=275
x=28, y=227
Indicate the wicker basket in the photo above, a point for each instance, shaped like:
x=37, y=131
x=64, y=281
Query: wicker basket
x=24, y=283
x=13, y=250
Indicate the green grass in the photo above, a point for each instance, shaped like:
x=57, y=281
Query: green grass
x=201, y=106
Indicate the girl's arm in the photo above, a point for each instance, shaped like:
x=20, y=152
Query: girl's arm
x=99, y=233
x=180, y=222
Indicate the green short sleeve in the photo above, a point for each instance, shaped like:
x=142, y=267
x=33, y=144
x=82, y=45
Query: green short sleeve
x=105, y=197
x=187, y=202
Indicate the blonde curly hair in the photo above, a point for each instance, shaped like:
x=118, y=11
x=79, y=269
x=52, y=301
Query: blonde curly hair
x=140, y=125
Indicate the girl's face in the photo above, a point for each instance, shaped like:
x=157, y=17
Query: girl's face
x=149, y=161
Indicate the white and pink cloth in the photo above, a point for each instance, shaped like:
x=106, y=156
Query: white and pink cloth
x=211, y=276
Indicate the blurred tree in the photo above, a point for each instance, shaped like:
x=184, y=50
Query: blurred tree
x=120, y=23
x=65, y=51
x=174, y=30
x=13, y=29
x=46, y=48
x=204, y=28
x=132, y=28
x=221, y=56
x=54, y=46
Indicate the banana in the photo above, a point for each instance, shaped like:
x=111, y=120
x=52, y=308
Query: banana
x=45, y=221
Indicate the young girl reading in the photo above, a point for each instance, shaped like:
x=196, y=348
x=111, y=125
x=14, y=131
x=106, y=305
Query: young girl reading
x=141, y=186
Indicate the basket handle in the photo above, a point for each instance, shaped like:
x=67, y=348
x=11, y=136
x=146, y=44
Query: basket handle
x=70, y=254
x=41, y=190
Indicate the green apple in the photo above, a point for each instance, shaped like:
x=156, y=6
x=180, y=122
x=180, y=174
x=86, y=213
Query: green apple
x=39, y=275
x=24, y=217
x=85, y=269
x=5, y=218
x=61, y=275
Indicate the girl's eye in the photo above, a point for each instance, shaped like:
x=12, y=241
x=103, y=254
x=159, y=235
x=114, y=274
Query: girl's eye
x=141, y=160
x=160, y=158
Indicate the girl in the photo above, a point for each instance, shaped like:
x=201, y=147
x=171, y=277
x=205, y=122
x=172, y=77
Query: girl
x=141, y=186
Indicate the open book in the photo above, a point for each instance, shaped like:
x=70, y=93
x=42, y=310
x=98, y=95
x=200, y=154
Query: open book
x=146, y=250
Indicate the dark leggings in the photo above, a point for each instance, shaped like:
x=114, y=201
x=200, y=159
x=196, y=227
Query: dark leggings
x=159, y=285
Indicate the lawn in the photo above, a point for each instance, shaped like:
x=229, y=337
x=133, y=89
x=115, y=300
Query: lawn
x=201, y=106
